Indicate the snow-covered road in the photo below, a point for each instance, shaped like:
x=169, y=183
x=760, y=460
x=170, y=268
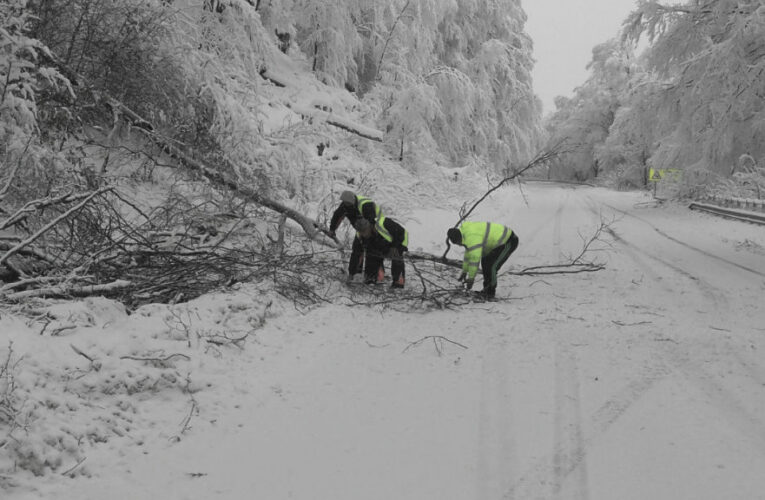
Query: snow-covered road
x=643, y=380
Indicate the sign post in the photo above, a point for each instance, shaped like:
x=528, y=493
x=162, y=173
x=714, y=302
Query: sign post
x=659, y=174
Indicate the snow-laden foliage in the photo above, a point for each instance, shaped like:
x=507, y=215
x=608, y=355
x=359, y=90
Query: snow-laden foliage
x=477, y=59
x=691, y=101
x=22, y=78
x=710, y=58
x=583, y=122
x=216, y=87
x=327, y=33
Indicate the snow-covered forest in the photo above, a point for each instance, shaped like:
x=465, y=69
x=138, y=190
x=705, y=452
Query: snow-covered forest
x=169, y=168
x=691, y=100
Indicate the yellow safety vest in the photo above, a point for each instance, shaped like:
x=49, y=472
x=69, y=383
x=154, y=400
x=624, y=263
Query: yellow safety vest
x=363, y=200
x=480, y=238
x=382, y=231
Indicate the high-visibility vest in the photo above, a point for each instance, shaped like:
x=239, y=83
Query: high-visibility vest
x=382, y=231
x=360, y=202
x=363, y=200
x=480, y=238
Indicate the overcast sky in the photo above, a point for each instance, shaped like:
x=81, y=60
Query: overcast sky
x=564, y=32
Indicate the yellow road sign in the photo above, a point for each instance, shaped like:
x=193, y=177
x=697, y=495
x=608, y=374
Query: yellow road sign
x=658, y=174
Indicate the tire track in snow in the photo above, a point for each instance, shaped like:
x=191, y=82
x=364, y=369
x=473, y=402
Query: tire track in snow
x=569, y=448
x=668, y=358
x=747, y=420
x=496, y=444
x=686, y=245
x=565, y=460
x=530, y=234
x=709, y=291
x=556, y=247
x=569, y=452
x=569, y=455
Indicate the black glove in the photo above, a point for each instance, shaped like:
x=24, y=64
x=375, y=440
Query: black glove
x=395, y=253
x=462, y=277
x=469, y=283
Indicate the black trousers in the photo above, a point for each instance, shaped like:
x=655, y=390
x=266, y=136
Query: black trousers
x=493, y=260
x=375, y=262
x=356, y=262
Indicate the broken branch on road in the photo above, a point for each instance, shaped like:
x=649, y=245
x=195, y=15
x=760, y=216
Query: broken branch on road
x=438, y=341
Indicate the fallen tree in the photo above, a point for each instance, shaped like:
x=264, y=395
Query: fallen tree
x=215, y=175
x=90, y=246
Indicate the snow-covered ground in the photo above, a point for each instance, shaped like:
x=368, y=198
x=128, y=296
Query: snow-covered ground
x=643, y=380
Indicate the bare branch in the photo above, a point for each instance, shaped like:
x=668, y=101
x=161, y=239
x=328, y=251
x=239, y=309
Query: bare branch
x=155, y=359
x=390, y=36
x=40, y=204
x=438, y=341
x=69, y=472
x=540, y=159
x=310, y=227
x=63, y=291
x=52, y=223
x=15, y=169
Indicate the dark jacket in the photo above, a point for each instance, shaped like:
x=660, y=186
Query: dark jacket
x=369, y=211
x=391, y=235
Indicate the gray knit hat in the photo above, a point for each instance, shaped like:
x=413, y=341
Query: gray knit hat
x=348, y=197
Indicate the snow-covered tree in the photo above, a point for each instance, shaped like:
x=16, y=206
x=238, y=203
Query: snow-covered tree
x=583, y=122
x=486, y=40
x=327, y=33
x=477, y=59
x=709, y=56
x=18, y=81
x=634, y=134
x=23, y=80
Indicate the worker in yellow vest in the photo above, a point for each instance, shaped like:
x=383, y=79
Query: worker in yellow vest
x=387, y=239
x=486, y=243
x=355, y=207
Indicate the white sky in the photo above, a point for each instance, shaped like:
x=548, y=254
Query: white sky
x=564, y=32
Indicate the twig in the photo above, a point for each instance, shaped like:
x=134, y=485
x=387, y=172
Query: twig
x=436, y=340
x=15, y=169
x=539, y=159
x=72, y=469
x=575, y=265
x=158, y=360
x=48, y=226
x=78, y=351
x=390, y=36
x=185, y=422
x=40, y=204
x=558, y=269
x=70, y=291
x=94, y=363
x=227, y=340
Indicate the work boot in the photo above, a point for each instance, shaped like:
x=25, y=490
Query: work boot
x=371, y=280
x=399, y=283
x=485, y=294
x=380, y=275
